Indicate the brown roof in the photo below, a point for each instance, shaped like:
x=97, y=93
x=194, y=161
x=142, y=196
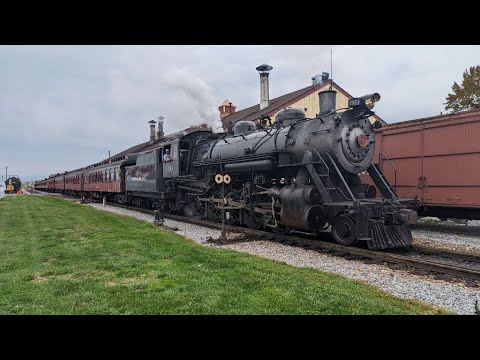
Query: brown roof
x=462, y=114
x=120, y=156
x=117, y=157
x=175, y=135
x=132, y=149
x=144, y=146
x=253, y=112
x=227, y=103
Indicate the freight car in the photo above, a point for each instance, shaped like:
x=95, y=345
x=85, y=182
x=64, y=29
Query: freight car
x=296, y=174
x=12, y=185
x=436, y=160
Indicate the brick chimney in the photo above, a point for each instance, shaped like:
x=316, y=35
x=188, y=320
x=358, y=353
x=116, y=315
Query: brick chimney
x=226, y=108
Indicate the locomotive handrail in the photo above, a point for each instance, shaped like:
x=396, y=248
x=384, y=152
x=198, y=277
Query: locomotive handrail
x=341, y=192
x=321, y=159
x=267, y=133
x=383, y=185
x=328, y=173
x=341, y=177
x=299, y=164
x=243, y=158
x=391, y=164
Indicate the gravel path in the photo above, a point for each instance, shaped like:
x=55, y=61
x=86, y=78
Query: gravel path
x=455, y=297
x=197, y=233
x=444, y=241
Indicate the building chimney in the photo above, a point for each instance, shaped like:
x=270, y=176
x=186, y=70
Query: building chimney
x=264, y=72
x=327, y=101
x=226, y=108
x=152, y=130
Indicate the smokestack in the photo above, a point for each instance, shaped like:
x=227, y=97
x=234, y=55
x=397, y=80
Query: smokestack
x=327, y=101
x=264, y=72
x=152, y=130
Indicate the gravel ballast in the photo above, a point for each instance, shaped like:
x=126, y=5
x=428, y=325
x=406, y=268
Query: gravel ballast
x=444, y=241
x=194, y=232
x=454, y=297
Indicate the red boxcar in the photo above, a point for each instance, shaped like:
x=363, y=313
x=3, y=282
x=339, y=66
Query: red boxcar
x=435, y=159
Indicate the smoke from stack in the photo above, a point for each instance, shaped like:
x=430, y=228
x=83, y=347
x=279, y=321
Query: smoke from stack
x=160, y=133
x=199, y=92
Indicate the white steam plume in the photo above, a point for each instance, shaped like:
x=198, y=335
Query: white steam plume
x=200, y=93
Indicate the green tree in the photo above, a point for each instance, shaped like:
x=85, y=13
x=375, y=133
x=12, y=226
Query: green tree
x=466, y=96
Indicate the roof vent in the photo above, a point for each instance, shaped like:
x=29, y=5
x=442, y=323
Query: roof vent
x=320, y=78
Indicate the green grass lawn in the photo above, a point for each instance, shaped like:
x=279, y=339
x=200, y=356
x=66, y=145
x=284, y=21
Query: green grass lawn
x=57, y=257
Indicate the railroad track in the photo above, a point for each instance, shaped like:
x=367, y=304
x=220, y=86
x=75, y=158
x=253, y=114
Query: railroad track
x=449, y=229
x=455, y=264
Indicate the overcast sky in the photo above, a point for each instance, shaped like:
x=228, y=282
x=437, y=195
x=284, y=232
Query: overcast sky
x=64, y=107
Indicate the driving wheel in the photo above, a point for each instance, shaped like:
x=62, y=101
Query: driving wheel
x=344, y=230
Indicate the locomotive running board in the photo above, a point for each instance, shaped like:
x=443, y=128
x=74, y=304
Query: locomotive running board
x=389, y=236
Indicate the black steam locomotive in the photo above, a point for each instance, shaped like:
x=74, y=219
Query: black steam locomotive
x=295, y=174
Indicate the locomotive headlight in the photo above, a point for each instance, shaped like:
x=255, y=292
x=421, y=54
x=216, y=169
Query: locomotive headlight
x=370, y=100
x=367, y=101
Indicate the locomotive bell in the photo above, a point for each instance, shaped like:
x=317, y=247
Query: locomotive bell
x=287, y=116
x=244, y=128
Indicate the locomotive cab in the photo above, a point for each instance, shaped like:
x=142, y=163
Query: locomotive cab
x=170, y=159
